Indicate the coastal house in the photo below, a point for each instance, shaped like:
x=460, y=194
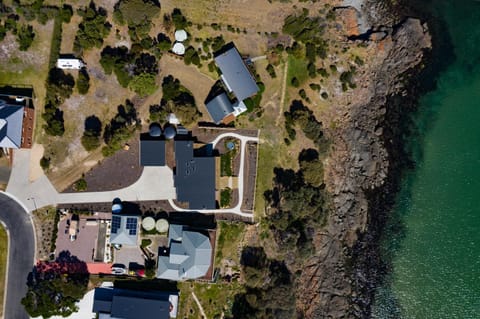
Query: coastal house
x=194, y=177
x=16, y=118
x=188, y=256
x=237, y=79
x=115, y=303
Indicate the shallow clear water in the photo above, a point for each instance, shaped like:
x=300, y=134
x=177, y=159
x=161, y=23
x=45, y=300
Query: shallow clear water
x=436, y=251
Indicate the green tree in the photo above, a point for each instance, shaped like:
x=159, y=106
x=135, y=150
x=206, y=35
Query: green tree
x=55, y=287
x=92, y=132
x=93, y=28
x=138, y=15
x=143, y=84
x=25, y=36
x=83, y=81
x=179, y=19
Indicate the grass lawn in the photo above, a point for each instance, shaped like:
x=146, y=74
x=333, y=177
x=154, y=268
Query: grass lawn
x=3, y=264
x=215, y=299
x=226, y=164
x=231, y=235
x=296, y=68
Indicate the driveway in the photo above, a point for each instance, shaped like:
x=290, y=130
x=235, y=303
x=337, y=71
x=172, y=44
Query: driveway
x=20, y=255
x=155, y=183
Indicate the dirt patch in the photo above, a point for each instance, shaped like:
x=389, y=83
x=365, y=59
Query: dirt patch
x=115, y=172
x=35, y=155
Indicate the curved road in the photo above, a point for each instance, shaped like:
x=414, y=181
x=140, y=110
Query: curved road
x=20, y=255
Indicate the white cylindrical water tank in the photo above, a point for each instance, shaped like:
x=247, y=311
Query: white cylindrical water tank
x=148, y=223
x=178, y=48
x=162, y=225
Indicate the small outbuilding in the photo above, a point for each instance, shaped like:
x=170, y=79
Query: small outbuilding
x=70, y=64
x=219, y=108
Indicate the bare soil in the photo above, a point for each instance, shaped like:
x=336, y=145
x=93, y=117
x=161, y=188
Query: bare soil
x=115, y=172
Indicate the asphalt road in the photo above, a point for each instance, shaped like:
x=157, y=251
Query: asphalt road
x=21, y=255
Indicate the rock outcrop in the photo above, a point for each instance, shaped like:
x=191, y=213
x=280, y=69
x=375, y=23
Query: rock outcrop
x=335, y=282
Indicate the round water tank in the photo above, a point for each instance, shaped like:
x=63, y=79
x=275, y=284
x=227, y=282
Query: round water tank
x=170, y=132
x=155, y=130
x=178, y=48
x=230, y=145
x=148, y=223
x=162, y=225
x=116, y=208
x=180, y=35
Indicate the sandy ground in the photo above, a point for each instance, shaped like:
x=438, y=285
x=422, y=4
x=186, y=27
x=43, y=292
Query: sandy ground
x=36, y=154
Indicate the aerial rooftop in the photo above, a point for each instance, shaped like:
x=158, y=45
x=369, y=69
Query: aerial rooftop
x=189, y=255
x=132, y=304
x=194, y=177
x=235, y=74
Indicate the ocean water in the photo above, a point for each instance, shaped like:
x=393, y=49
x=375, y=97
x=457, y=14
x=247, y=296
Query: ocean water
x=433, y=241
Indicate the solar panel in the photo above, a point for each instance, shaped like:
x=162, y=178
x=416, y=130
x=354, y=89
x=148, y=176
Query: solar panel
x=132, y=225
x=116, y=221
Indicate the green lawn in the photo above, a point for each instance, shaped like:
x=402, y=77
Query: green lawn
x=296, y=68
x=215, y=299
x=230, y=237
x=3, y=264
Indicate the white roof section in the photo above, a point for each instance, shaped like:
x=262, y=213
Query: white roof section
x=178, y=48
x=70, y=64
x=181, y=35
x=124, y=230
x=11, y=123
x=239, y=107
x=173, y=119
x=189, y=257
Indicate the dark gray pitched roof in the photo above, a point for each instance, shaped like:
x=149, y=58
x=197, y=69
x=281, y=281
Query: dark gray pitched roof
x=152, y=152
x=133, y=308
x=219, y=107
x=132, y=304
x=194, y=177
x=235, y=73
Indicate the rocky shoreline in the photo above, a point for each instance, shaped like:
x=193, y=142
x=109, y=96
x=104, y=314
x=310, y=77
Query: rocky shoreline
x=363, y=170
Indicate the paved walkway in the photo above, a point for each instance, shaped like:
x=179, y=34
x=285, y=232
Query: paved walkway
x=237, y=209
x=155, y=183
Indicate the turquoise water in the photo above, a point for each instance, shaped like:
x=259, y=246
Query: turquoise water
x=435, y=248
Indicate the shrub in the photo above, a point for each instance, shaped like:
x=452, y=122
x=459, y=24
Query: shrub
x=143, y=84
x=80, y=185
x=25, y=36
x=45, y=163
x=83, y=81
x=271, y=71
x=225, y=197
x=295, y=82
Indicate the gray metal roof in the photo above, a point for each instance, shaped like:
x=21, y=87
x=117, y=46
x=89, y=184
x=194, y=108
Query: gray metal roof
x=152, y=152
x=235, y=73
x=194, y=177
x=189, y=258
x=123, y=235
x=219, y=107
x=132, y=304
x=11, y=122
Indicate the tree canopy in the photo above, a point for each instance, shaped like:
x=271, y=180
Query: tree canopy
x=55, y=287
x=93, y=28
x=138, y=15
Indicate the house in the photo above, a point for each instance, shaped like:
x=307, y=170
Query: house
x=235, y=74
x=152, y=152
x=194, y=177
x=115, y=303
x=237, y=79
x=188, y=256
x=124, y=229
x=69, y=64
x=16, y=118
x=220, y=108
